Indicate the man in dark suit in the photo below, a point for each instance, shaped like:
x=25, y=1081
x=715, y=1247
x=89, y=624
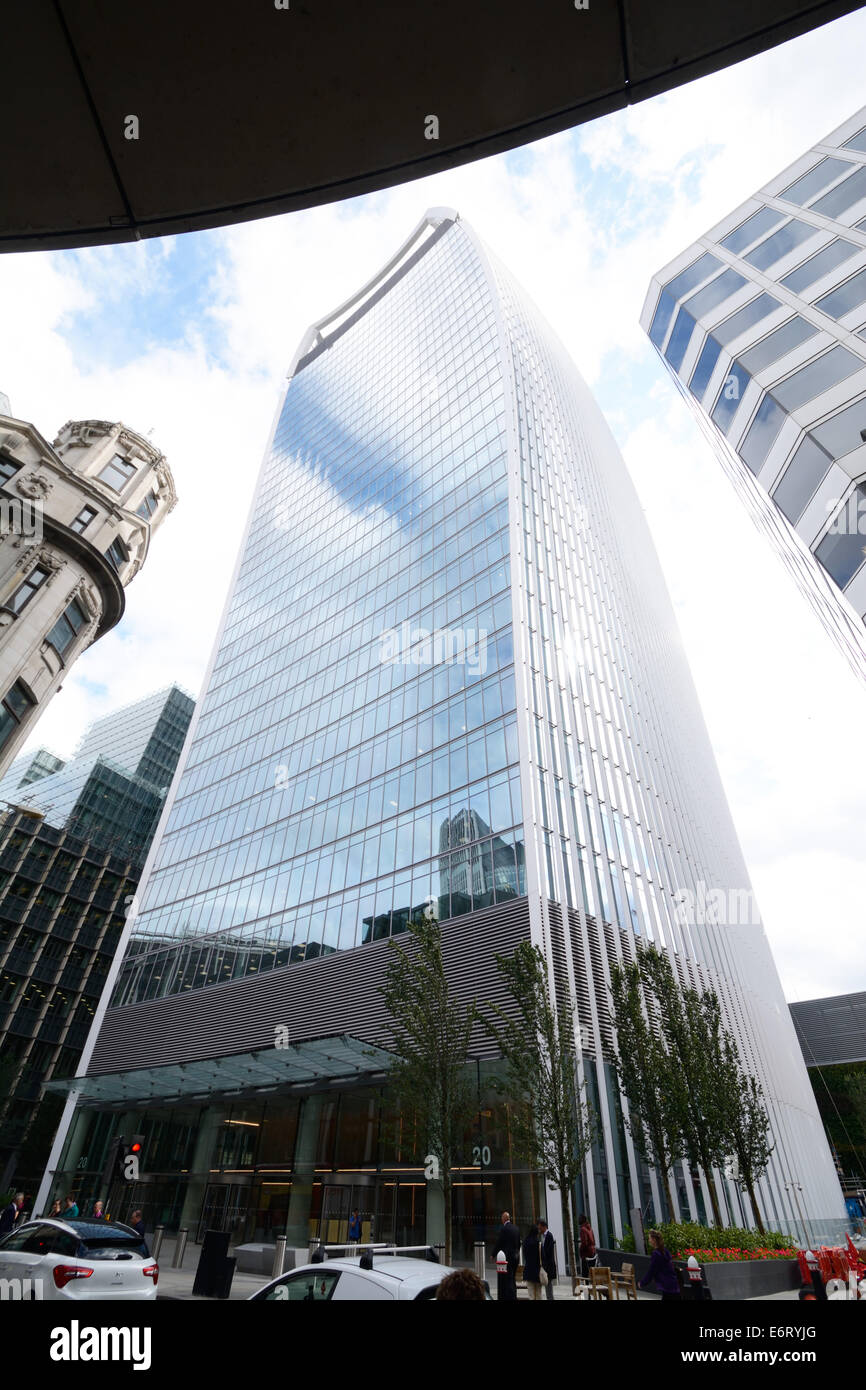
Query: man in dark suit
x=548, y=1256
x=508, y=1241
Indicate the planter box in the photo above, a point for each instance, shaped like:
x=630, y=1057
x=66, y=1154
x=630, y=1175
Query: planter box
x=727, y=1281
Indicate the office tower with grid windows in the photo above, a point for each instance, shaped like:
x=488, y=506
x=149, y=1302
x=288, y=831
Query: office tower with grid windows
x=73, y=839
x=762, y=323
x=76, y=521
x=447, y=682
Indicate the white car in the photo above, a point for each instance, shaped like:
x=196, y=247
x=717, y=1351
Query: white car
x=392, y=1277
x=76, y=1261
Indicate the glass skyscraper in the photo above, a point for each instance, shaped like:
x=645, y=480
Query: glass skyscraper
x=762, y=325
x=447, y=681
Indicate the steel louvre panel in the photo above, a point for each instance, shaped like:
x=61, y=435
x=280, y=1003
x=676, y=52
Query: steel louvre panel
x=316, y=998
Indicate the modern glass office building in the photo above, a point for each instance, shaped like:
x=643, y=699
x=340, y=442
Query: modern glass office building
x=448, y=680
x=762, y=324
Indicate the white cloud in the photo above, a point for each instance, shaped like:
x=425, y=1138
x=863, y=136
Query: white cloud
x=583, y=220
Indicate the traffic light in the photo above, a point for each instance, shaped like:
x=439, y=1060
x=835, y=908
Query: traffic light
x=129, y=1157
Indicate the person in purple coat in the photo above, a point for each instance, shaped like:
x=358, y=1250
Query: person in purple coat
x=661, y=1269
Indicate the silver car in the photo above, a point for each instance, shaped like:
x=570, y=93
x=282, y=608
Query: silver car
x=391, y=1277
x=54, y=1259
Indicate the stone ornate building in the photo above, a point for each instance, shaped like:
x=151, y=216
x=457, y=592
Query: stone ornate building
x=76, y=521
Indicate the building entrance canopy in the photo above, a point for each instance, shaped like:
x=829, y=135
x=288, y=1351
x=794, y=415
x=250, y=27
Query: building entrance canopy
x=323, y=1060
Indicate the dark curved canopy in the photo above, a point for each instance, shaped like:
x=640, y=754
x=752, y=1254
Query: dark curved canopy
x=251, y=107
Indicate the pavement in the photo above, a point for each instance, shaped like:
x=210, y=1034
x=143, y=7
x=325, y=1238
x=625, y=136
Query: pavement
x=177, y=1283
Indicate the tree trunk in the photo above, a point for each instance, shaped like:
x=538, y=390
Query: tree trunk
x=666, y=1185
x=714, y=1196
x=567, y=1231
x=750, y=1188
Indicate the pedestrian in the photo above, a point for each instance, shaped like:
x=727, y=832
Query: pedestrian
x=508, y=1243
x=462, y=1284
x=587, y=1251
x=98, y=1210
x=9, y=1214
x=532, y=1263
x=136, y=1221
x=71, y=1213
x=355, y=1226
x=548, y=1258
x=56, y=1209
x=661, y=1269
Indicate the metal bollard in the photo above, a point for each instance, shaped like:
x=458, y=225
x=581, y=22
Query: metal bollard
x=180, y=1247
x=480, y=1259
x=440, y=1251
x=157, y=1241
x=279, y=1257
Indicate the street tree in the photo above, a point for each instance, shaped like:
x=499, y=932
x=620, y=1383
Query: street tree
x=553, y=1126
x=748, y=1123
x=643, y=1068
x=691, y=1023
x=431, y=1034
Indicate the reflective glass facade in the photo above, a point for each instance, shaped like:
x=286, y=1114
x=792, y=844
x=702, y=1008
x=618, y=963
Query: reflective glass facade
x=778, y=379
x=449, y=681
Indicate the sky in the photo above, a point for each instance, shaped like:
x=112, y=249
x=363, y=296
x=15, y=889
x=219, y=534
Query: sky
x=190, y=337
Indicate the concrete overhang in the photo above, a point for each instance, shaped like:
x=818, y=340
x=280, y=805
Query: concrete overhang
x=246, y=110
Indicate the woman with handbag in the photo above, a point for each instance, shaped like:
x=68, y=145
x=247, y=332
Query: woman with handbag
x=532, y=1263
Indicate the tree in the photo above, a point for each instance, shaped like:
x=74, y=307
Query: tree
x=431, y=1041
x=554, y=1127
x=691, y=1023
x=748, y=1124
x=642, y=1066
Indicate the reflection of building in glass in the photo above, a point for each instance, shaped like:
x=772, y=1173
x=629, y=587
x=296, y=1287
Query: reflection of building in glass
x=72, y=846
x=762, y=325
x=436, y=461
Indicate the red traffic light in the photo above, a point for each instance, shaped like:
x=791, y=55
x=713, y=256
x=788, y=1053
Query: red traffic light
x=135, y=1148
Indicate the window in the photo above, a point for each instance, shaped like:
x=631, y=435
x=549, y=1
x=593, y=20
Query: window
x=15, y=705
x=818, y=376
x=680, y=338
x=844, y=297
x=681, y=284
x=755, y=226
x=310, y=1286
x=856, y=142
x=715, y=293
x=768, y=421
x=704, y=369
x=801, y=479
x=744, y=318
x=64, y=631
x=117, y=473
x=841, y=433
x=148, y=506
x=777, y=344
x=83, y=520
x=117, y=554
x=8, y=468
x=806, y=187
x=781, y=243
x=844, y=195
x=818, y=265
x=730, y=396
x=25, y=591
x=842, y=553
